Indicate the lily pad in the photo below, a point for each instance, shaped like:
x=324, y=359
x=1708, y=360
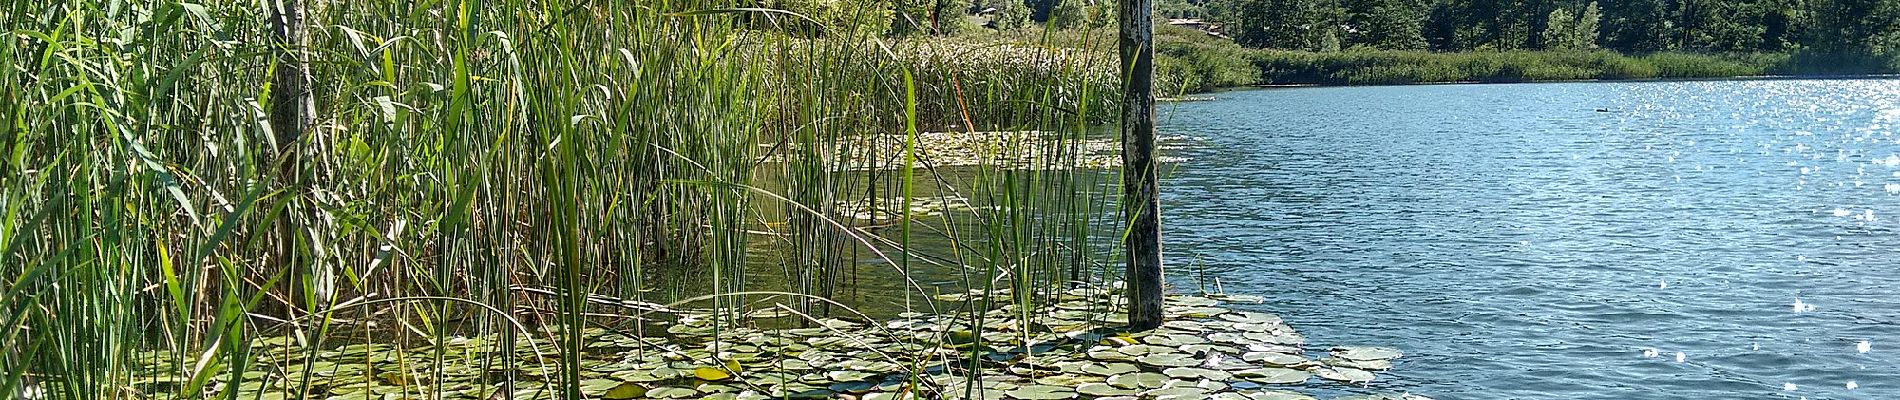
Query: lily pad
x=711, y=374
x=1273, y=359
x=1103, y=390
x=669, y=392
x=1344, y=374
x=1139, y=380
x=1041, y=392
x=1274, y=376
x=1176, y=393
x=1363, y=353
x=1164, y=360
x=1197, y=373
x=1110, y=369
x=1269, y=394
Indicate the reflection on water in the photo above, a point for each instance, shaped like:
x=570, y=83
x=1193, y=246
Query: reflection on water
x=1697, y=240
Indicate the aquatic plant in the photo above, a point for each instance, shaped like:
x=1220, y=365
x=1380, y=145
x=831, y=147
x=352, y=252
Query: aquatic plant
x=515, y=171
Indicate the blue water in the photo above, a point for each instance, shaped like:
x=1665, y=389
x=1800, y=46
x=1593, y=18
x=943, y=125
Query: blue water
x=1515, y=241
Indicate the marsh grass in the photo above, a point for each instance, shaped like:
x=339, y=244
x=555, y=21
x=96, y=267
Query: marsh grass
x=499, y=168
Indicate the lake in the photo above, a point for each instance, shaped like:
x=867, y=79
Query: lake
x=1562, y=241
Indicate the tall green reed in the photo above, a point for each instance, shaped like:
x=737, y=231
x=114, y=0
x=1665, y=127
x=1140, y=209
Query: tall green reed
x=469, y=154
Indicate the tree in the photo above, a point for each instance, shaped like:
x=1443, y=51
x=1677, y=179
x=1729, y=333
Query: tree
x=1311, y=25
x=1637, y=25
x=1586, y=29
x=1557, y=31
x=1068, y=14
x=1385, y=24
x=1141, y=205
x=1009, y=15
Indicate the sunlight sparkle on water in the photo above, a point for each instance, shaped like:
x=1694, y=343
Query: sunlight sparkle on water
x=1788, y=386
x=1864, y=346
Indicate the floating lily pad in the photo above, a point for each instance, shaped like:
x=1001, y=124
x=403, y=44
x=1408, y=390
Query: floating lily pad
x=1197, y=373
x=1139, y=380
x=1110, y=369
x=1164, y=360
x=1065, y=380
x=1362, y=353
x=1369, y=365
x=670, y=392
x=1041, y=392
x=1274, y=376
x=1273, y=359
x=711, y=374
x=1176, y=393
x=1275, y=395
x=1103, y=390
x=1344, y=374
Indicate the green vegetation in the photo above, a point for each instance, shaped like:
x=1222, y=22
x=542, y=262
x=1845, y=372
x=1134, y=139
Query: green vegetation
x=1386, y=41
x=490, y=184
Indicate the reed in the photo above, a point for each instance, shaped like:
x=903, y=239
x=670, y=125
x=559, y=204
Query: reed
x=495, y=167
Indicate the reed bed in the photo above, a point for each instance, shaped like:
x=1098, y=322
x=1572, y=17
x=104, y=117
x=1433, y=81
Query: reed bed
x=508, y=169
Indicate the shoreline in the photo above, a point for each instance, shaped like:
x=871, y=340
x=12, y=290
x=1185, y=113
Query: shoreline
x=1198, y=97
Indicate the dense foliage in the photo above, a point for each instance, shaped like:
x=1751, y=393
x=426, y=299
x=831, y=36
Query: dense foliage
x=1857, y=27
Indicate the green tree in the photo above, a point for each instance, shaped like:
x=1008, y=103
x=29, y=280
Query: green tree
x=1586, y=29
x=1385, y=24
x=1009, y=15
x=1289, y=24
x=1637, y=25
x=1068, y=14
x=1558, y=32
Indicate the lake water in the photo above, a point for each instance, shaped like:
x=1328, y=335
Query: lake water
x=1518, y=243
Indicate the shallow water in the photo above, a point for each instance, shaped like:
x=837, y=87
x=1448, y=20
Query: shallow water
x=1516, y=242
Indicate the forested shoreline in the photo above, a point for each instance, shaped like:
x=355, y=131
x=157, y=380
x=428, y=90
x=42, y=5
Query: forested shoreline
x=1211, y=44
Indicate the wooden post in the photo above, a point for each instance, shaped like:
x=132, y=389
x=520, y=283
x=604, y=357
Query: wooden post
x=1140, y=201
x=292, y=112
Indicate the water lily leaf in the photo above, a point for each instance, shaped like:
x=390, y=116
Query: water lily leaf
x=1274, y=359
x=1197, y=373
x=1369, y=365
x=1065, y=380
x=711, y=374
x=1363, y=353
x=626, y=390
x=1164, y=360
x=669, y=392
x=1103, y=390
x=1110, y=369
x=1139, y=380
x=848, y=375
x=857, y=387
x=972, y=393
x=1176, y=393
x=1276, y=395
x=1344, y=374
x=1274, y=376
x=1041, y=392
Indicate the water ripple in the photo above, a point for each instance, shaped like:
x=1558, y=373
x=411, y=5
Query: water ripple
x=1513, y=240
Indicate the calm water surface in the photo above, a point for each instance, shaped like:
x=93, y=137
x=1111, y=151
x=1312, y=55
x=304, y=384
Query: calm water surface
x=1516, y=242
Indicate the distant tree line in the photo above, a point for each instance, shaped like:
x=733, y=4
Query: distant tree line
x=1631, y=26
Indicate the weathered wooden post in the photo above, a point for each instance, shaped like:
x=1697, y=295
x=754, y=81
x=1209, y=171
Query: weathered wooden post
x=1141, y=204
x=292, y=111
